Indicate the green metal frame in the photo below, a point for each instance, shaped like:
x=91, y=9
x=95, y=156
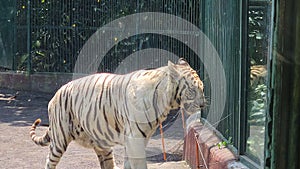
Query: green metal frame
x=244, y=66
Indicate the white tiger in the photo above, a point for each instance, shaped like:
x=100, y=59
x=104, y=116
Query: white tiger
x=103, y=110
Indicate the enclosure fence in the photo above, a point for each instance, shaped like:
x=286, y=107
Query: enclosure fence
x=46, y=36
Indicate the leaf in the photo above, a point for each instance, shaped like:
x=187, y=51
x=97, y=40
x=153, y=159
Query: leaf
x=219, y=145
x=230, y=140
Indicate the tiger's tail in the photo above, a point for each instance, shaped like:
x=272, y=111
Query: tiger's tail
x=42, y=141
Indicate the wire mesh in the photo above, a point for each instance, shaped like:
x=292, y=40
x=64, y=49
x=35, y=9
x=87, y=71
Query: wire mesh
x=59, y=28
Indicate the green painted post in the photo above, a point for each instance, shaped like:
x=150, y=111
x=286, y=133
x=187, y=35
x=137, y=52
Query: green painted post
x=286, y=86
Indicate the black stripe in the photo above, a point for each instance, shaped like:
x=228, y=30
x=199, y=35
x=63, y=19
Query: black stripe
x=180, y=93
x=114, y=81
x=52, y=161
x=55, y=155
x=59, y=112
x=107, y=137
x=76, y=97
x=64, y=91
x=102, y=90
x=154, y=102
x=138, y=74
x=71, y=103
x=63, y=135
x=117, y=122
x=65, y=146
x=100, y=141
x=70, y=119
x=83, y=87
x=87, y=117
x=107, y=159
x=149, y=123
x=116, y=115
x=47, y=137
x=108, y=154
x=128, y=124
x=60, y=118
x=99, y=128
x=110, y=132
x=176, y=92
x=58, y=150
x=141, y=131
x=66, y=101
x=155, y=75
x=109, y=96
x=61, y=100
x=81, y=107
x=107, y=92
x=93, y=89
x=178, y=100
x=96, y=108
x=120, y=88
x=73, y=137
x=104, y=113
x=123, y=123
x=117, y=127
x=110, y=89
x=89, y=82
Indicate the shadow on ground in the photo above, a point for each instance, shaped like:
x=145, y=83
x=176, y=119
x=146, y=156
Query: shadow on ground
x=22, y=108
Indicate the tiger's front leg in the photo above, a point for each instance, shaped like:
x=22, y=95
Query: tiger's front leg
x=135, y=154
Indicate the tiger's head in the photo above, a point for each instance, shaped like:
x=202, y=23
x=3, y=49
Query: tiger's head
x=189, y=92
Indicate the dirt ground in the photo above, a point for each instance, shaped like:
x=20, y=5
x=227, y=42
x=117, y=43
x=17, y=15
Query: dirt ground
x=18, y=109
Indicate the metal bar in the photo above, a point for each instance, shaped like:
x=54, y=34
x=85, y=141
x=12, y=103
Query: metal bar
x=269, y=121
x=198, y=149
x=14, y=67
x=163, y=141
x=244, y=67
x=28, y=37
x=197, y=156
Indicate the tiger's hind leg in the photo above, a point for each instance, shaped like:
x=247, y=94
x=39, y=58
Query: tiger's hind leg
x=106, y=158
x=60, y=139
x=54, y=156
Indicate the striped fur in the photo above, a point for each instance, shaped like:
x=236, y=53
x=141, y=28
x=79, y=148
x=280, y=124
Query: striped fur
x=103, y=110
x=258, y=75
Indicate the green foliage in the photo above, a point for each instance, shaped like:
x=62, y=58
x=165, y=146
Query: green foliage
x=258, y=104
x=259, y=40
x=59, y=29
x=258, y=37
x=224, y=143
x=256, y=119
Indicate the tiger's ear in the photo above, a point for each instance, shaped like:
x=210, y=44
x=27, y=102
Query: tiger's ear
x=173, y=70
x=182, y=62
